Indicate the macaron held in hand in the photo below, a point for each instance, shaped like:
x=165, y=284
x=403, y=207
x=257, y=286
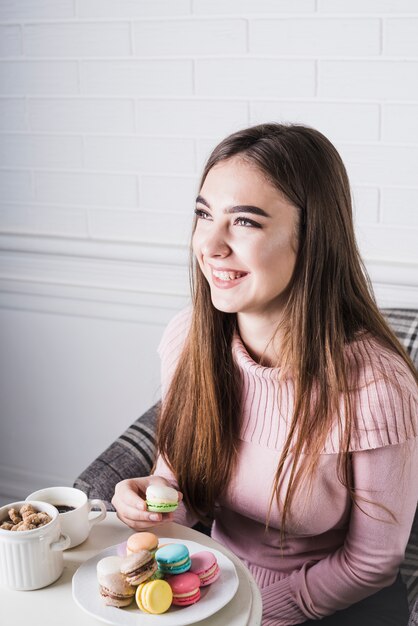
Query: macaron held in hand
x=161, y=498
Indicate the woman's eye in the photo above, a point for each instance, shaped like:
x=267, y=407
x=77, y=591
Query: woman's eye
x=201, y=214
x=244, y=221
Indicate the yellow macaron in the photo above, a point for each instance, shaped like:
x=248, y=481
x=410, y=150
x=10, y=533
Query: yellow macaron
x=154, y=597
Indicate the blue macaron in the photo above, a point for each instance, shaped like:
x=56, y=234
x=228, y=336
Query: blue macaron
x=173, y=558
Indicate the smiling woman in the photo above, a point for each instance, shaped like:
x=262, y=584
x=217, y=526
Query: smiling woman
x=289, y=412
x=248, y=263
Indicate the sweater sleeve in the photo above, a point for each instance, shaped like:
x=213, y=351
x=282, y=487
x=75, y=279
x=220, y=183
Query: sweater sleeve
x=374, y=546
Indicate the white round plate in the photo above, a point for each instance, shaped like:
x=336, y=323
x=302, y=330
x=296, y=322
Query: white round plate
x=213, y=598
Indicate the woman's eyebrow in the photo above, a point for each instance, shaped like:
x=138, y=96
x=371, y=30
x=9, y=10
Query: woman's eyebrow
x=240, y=208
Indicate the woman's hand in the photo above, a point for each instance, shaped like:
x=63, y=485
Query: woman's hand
x=130, y=505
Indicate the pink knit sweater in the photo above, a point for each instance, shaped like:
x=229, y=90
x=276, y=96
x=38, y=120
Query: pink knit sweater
x=334, y=554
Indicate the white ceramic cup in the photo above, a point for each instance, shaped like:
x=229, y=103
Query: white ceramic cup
x=31, y=559
x=78, y=522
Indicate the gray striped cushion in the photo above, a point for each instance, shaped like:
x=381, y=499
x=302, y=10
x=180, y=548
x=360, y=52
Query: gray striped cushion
x=404, y=322
x=409, y=571
x=131, y=455
x=413, y=618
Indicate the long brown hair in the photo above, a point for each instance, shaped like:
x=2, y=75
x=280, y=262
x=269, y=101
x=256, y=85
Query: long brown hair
x=330, y=301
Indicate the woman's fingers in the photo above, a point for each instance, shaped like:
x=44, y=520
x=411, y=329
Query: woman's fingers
x=130, y=505
x=137, y=524
x=133, y=516
x=130, y=492
x=136, y=514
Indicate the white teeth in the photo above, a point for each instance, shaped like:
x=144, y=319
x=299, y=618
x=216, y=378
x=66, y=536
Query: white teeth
x=227, y=275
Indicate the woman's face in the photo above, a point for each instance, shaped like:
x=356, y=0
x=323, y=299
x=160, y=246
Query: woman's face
x=245, y=240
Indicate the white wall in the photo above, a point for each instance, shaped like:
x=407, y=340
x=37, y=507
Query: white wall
x=107, y=112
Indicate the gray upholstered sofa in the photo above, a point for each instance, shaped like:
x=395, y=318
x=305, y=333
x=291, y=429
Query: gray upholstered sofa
x=133, y=453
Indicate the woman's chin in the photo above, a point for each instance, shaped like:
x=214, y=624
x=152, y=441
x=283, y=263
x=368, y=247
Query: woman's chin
x=225, y=307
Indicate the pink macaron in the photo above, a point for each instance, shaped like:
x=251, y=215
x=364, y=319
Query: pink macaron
x=205, y=565
x=185, y=588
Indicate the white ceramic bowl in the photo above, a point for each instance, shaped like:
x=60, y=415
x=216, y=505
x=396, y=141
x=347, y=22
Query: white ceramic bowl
x=31, y=559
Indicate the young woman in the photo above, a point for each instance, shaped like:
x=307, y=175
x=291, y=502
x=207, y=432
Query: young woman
x=289, y=416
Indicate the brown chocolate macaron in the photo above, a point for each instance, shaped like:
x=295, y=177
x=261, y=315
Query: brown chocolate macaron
x=137, y=568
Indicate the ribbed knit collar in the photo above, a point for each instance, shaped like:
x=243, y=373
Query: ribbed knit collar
x=246, y=363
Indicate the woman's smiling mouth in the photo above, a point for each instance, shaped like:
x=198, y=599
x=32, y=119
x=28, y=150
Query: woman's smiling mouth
x=227, y=278
x=223, y=275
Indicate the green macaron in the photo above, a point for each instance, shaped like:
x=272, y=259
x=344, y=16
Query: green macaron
x=161, y=499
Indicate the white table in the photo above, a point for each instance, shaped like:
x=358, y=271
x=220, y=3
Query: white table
x=55, y=605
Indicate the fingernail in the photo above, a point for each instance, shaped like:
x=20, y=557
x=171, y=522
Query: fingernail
x=154, y=517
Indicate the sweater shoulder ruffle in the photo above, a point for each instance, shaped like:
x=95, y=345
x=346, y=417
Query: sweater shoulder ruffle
x=384, y=398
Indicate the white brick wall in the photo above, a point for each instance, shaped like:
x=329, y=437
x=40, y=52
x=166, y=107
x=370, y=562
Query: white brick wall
x=237, y=7
x=171, y=194
x=16, y=186
x=74, y=115
x=99, y=99
x=144, y=225
x=255, y=77
x=192, y=37
x=400, y=123
x=86, y=188
x=361, y=120
x=400, y=37
x=381, y=7
x=133, y=78
x=132, y=9
x=77, y=40
x=369, y=80
x=44, y=220
x=298, y=37
x=398, y=207
x=36, y=9
x=108, y=110
x=12, y=114
x=40, y=151
x=190, y=118
x=33, y=78
x=10, y=41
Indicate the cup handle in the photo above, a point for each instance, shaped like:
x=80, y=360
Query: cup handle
x=101, y=515
x=62, y=544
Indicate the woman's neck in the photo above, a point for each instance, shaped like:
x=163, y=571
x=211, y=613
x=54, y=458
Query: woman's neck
x=261, y=338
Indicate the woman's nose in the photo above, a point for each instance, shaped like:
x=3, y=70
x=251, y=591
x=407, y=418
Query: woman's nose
x=214, y=243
